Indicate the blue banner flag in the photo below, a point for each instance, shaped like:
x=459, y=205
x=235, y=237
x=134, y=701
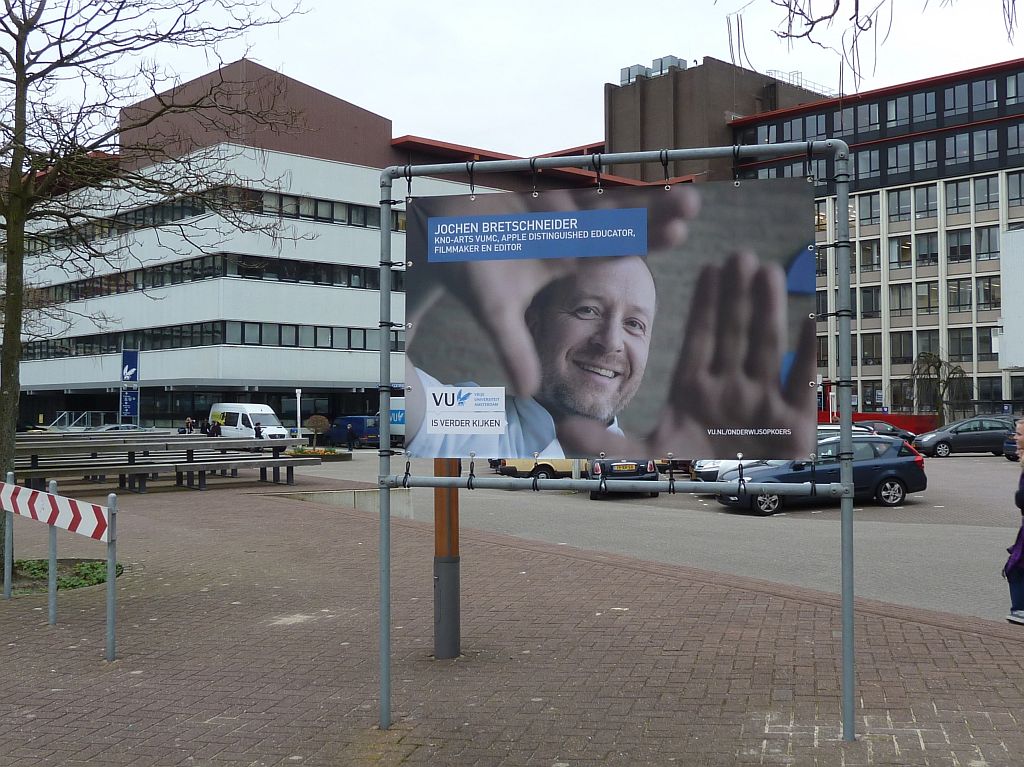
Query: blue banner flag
x=558, y=234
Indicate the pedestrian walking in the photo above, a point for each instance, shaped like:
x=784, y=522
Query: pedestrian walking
x=189, y=425
x=1013, y=570
x=350, y=437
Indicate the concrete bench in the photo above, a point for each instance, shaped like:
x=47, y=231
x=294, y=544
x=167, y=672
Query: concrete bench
x=192, y=470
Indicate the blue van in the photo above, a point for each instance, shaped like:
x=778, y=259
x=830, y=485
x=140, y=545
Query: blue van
x=366, y=427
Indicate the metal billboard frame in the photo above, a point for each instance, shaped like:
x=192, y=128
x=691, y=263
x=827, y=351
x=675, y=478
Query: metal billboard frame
x=840, y=152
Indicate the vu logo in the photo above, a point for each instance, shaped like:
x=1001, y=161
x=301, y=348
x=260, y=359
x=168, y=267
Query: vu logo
x=450, y=399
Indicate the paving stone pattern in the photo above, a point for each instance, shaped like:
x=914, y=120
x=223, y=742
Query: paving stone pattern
x=247, y=634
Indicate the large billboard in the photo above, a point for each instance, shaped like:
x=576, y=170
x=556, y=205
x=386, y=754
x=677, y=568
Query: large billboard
x=629, y=321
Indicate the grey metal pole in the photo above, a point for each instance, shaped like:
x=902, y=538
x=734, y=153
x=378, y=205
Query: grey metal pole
x=384, y=452
x=51, y=570
x=8, y=545
x=844, y=311
x=111, y=574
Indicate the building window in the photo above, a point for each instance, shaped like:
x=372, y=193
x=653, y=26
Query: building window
x=766, y=134
x=1014, y=140
x=958, y=245
x=1015, y=88
x=871, y=348
x=868, y=208
x=958, y=196
x=870, y=255
x=955, y=100
x=986, y=193
x=901, y=347
x=990, y=388
x=842, y=122
x=924, y=155
x=989, y=296
x=902, y=396
x=958, y=292
x=898, y=159
x=897, y=112
x=927, y=342
x=961, y=344
x=821, y=303
x=872, y=396
x=986, y=242
x=820, y=217
x=926, y=247
x=820, y=262
x=928, y=298
x=924, y=106
x=793, y=130
x=901, y=299
x=986, y=144
x=867, y=117
x=823, y=351
x=899, y=252
x=899, y=205
x=926, y=201
x=814, y=127
x=1014, y=189
x=871, y=302
x=867, y=165
x=987, y=346
x=958, y=149
x=983, y=95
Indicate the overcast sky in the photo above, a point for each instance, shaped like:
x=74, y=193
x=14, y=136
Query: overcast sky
x=527, y=77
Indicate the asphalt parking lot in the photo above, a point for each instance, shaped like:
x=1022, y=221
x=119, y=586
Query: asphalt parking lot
x=942, y=550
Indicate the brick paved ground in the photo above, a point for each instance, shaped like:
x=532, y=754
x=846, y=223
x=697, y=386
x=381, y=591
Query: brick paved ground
x=247, y=635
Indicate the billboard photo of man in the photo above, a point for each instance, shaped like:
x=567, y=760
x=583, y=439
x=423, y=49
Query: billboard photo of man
x=679, y=325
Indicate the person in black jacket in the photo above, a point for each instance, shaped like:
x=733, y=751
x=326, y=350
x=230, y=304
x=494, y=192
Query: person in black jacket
x=1013, y=570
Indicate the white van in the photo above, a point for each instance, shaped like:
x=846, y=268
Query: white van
x=238, y=419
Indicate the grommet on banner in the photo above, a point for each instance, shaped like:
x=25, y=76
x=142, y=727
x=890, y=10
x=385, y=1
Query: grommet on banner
x=405, y=479
x=664, y=164
x=408, y=182
x=736, y=164
x=533, y=170
x=808, y=161
x=472, y=472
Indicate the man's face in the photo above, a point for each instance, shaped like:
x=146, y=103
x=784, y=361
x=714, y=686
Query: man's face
x=593, y=333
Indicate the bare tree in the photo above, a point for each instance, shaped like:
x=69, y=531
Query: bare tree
x=861, y=23
x=940, y=383
x=91, y=128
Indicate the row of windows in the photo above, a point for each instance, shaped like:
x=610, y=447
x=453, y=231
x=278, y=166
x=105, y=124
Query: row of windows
x=989, y=390
x=213, y=334
x=923, y=297
x=904, y=250
x=179, y=209
x=962, y=344
x=956, y=104
x=211, y=267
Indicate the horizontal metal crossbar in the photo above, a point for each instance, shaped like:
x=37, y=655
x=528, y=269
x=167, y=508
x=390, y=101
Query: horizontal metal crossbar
x=830, y=490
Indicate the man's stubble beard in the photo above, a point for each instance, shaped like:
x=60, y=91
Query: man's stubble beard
x=561, y=400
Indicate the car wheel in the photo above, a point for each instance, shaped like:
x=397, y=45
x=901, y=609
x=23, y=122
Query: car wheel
x=542, y=472
x=655, y=495
x=1010, y=458
x=766, y=505
x=942, y=450
x=891, y=492
x=997, y=452
x=596, y=496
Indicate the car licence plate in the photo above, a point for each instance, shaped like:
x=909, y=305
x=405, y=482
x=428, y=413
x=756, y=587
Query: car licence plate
x=624, y=467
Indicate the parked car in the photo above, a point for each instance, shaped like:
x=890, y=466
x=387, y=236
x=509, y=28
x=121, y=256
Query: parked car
x=981, y=434
x=612, y=469
x=680, y=465
x=884, y=468
x=541, y=468
x=888, y=429
x=1010, y=449
x=710, y=469
x=829, y=429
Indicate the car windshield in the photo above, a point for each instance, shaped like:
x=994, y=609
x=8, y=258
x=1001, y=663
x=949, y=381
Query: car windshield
x=266, y=419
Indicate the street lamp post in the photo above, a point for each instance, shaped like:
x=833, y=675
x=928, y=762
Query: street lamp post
x=298, y=413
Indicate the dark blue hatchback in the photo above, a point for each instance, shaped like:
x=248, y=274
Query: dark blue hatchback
x=884, y=468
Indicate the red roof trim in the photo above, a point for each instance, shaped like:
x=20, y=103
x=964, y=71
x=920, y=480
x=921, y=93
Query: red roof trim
x=856, y=98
